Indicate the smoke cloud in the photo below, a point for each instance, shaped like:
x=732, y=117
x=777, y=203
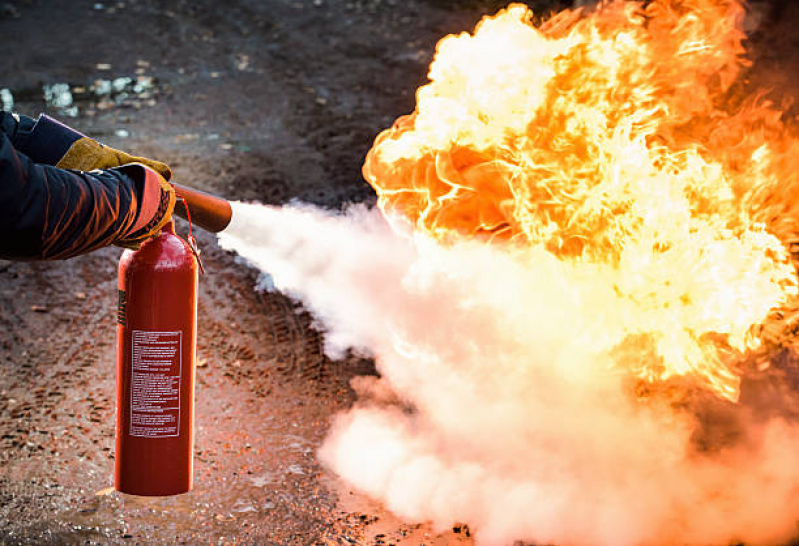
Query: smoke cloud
x=502, y=400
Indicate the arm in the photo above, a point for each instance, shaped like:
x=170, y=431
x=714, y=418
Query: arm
x=50, y=142
x=51, y=213
x=45, y=140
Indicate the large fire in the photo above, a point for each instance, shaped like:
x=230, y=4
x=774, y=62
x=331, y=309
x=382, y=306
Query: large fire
x=584, y=275
x=618, y=142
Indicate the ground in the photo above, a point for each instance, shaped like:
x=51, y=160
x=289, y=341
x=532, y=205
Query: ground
x=255, y=100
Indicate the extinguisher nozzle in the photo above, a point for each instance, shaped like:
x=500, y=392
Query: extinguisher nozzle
x=208, y=211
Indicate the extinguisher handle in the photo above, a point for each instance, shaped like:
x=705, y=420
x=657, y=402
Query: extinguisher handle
x=207, y=211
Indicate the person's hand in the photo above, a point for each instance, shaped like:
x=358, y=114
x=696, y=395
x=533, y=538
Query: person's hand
x=86, y=154
x=155, y=206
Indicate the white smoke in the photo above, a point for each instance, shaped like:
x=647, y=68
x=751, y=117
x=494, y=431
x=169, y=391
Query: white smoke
x=499, y=404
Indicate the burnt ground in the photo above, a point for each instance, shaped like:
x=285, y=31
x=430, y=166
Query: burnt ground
x=257, y=100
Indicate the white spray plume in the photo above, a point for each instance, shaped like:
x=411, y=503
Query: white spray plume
x=498, y=403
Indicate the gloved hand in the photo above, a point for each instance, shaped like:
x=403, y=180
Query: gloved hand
x=156, y=203
x=86, y=154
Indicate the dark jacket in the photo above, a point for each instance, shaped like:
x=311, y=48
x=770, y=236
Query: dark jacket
x=51, y=213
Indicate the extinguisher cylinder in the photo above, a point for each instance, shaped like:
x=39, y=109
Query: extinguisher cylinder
x=156, y=346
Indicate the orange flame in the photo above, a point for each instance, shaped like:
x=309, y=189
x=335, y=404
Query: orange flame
x=616, y=142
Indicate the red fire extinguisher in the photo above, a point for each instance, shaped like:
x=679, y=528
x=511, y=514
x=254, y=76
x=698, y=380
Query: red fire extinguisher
x=156, y=343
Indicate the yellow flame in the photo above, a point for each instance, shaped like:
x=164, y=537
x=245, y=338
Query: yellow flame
x=612, y=141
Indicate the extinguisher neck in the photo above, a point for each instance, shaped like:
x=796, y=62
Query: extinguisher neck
x=169, y=227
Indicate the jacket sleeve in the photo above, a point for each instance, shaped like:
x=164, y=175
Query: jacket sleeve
x=50, y=213
x=44, y=140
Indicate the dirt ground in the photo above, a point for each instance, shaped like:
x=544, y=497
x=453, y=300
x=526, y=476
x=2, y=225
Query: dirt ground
x=258, y=100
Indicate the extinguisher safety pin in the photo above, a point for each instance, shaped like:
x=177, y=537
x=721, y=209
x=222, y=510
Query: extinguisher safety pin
x=196, y=251
x=191, y=240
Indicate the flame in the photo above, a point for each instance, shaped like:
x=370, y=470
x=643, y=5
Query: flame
x=616, y=141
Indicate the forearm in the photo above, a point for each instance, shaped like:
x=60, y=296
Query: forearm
x=50, y=213
x=44, y=140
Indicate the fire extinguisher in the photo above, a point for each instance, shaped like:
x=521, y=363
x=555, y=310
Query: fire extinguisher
x=156, y=346
x=156, y=340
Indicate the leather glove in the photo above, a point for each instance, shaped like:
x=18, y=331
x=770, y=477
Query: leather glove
x=86, y=154
x=156, y=203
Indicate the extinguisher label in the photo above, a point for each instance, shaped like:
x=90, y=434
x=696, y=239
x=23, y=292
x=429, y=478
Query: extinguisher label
x=155, y=384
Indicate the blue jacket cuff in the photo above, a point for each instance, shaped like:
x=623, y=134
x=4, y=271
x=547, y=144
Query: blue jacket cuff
x=49, y=140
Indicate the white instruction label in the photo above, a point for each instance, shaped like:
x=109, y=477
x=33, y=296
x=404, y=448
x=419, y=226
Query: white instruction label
x=155, y=385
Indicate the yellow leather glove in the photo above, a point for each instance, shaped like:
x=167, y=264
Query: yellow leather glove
x=156, y=203
x=86, y=154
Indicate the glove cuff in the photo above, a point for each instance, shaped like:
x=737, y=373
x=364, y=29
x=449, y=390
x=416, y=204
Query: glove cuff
x=49, y=140
x=155, y=204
